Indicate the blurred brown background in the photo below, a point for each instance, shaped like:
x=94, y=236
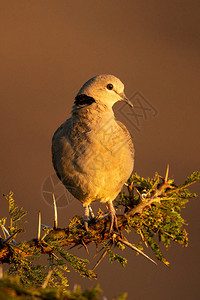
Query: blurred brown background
x=48, y=49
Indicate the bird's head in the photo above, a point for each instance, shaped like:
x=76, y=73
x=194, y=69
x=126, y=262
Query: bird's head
x=104, y=89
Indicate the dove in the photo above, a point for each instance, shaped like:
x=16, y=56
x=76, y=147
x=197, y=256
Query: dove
x=92, y=152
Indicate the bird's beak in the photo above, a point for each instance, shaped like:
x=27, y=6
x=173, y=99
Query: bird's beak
x=124, y=98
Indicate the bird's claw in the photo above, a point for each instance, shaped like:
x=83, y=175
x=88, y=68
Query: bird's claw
x=86, y=225
x=113, y=222
x=86, y=217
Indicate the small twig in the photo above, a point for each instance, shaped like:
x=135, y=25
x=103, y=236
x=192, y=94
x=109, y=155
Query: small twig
x=102, y=217
x=139, y=208
x=39, y=226
x=55, y=213
x=163, y=186
x=46, y=226
x=136, y=249
x=47, y=279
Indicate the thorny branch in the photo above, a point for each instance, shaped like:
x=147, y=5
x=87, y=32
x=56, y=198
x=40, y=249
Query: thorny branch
x=153, y=209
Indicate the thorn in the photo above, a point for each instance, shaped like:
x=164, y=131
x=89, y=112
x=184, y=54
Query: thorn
x=136, y=249
x=47, y=279
x=143, y=239
x=54, y=255
x=5, y=231
x=39, y=226
x=137, y=192
x=85, y=246
x=100, y=259
x=8, y=236
x=75, y=287
x=55, y=213
x=167, y=173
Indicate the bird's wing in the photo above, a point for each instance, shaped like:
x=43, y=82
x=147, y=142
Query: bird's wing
x=54, y=149
x=58, y=148
x=128, y=136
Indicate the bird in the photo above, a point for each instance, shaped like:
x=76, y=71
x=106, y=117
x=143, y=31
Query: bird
x=92, y=152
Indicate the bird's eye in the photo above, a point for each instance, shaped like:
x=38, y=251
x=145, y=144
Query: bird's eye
x=109, y=86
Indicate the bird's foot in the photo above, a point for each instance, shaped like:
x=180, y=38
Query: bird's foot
x=113, y=217
x=85, y=224
x=86, y=217
x=113, y=222
x=87, y=213
x=91, y=212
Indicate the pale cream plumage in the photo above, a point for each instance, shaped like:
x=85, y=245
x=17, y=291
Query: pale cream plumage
x=92, y=152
